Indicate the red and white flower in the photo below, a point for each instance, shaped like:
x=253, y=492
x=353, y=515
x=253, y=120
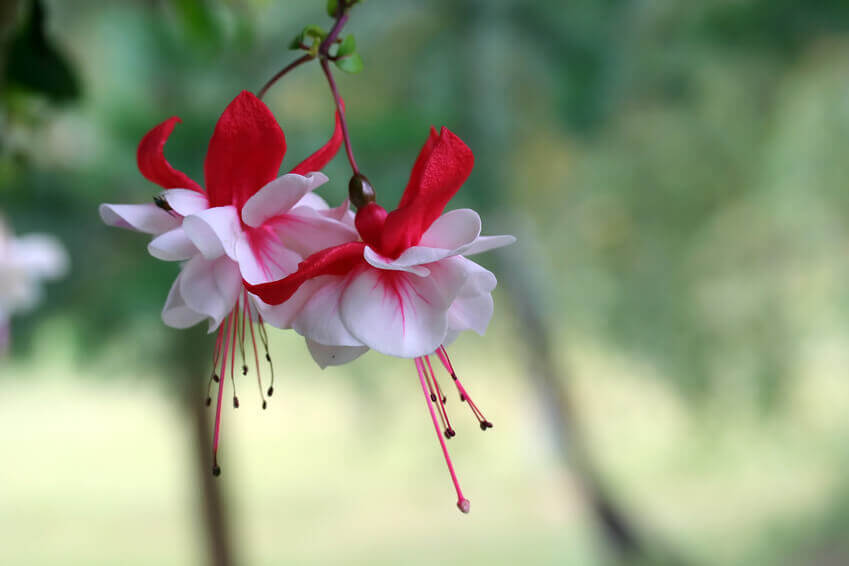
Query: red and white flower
x=405, y=289
x=246, y=224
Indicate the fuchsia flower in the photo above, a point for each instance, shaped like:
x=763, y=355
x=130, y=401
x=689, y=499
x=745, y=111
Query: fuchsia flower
x=247, y=224
x=406, y=288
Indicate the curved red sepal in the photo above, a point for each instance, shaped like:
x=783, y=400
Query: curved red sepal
x=442, y=167
x=150, y=157
x=325, y=153
x=338, y=260
x=245, y=151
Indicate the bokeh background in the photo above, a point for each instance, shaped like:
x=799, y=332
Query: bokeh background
x=666, y=369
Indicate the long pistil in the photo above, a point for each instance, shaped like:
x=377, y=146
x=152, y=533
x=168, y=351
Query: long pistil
x=462, y=503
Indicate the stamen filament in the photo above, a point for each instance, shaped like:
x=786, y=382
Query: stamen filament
x=439, y=398
x=263, y=336
x=462, y=503
x=256, y=355
x=235, y=316
x=464, y=395
x=216, y=469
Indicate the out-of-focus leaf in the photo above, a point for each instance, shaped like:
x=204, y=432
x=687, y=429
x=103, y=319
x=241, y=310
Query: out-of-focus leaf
x=197, y=20
x=35, y=64
x=332, y=6
x=350, y=64
x=347, y=47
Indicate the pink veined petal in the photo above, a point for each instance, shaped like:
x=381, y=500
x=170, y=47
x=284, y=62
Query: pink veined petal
x=245, y=152
x=176, y=313
x=214, y=231
x=319, y=318
x=401, y=314
x=262, y=257
x=414, y=267
x=279, y=196
x=334, y=355
x=185, y=201
x=173, y=245
x=152, y=163
x=452, y=230
x=283, y=315
x=338, y=260
x=306, y=231
x=324, y=154
x=487, y=243
x=211, y=287
x=147, y=218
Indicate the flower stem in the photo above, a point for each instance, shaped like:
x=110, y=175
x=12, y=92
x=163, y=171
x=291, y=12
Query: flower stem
x=296, y=63
x=342, y=120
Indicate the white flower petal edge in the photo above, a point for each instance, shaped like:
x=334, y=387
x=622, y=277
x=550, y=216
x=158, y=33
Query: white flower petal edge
x=279, y=196
x=214, y=231
x=209, y=287
x=173, y=245
x=147, y=218
x=334, y=355
x=186, y=201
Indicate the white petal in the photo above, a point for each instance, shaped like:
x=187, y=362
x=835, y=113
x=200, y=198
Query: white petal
x=453, y=230
x=214, y=231
x=279, y=196
x=40, y=255
x=334, y=355
x=471, y=313
x=147, y=218
x=319, y=318
x=185, y=201
x=313, y=201
x=400, y=314
x=381, y=262
x=486, y=243
x=176, y=313
x=306, y=231
x=211, y=287
x=266, y=260
x=173, y=245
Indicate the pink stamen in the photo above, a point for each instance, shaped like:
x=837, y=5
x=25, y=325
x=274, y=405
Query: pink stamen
x=439, y=398
x=216, y=469
x=256, y=353
x=464, y=395
x=233, y=355
x=462, y=503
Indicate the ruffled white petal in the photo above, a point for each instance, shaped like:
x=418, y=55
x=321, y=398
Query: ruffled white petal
x=306, y=231
x=279, y=196
x=185, y=201
x=334, y=355
x=486, y=243
x=266, y=260
x=401, y=314
x=313, y=201
x=381, y=262
x=452, y=230
x=147, y=218
x=211, y=287
x=176, y=313
x=173, y=245
x=214, y=231
x=319, y=317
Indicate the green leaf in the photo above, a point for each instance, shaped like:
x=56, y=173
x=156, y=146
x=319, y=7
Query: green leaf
x=332, y=6
x=347, y=47
x=297, y=42
x=314, y=32
x=351, y=64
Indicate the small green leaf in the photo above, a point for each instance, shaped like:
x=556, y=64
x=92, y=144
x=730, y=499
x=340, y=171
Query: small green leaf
x=332, y=6
x=297, y=42
x=314, y=32
x=351, y=64
x=347, y=47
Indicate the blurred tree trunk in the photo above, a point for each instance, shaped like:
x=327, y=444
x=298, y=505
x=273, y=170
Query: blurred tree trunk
x=487, y=86
x=193, y=358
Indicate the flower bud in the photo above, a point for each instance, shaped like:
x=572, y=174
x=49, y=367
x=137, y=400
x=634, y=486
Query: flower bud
x=360, y=191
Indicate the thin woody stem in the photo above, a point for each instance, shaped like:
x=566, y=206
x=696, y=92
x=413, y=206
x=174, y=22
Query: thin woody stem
x=342, y=120
x=296, y=63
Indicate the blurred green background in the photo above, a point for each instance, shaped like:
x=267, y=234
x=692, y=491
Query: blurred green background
x=666, y=368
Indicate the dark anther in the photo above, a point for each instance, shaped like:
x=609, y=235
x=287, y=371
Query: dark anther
x=485, y=425
x=433, y=397
x=264, y=405
x=267, y=357
x=215, y=377
x=444, y=399
x=462, y=397
x=360, y=191
x=449, y=433
x=244, y=370
x=270, y=391
x=162, y=203
x=235, y=402
x=208, y=401
x=216, y=470
x=454, y=376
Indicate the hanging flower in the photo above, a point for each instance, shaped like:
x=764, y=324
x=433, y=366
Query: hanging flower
x=405, y=289
x=24, y=262
x=246, y=224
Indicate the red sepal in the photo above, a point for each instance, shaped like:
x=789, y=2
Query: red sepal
x=338, y=260
x=328, y=151
x=442, y=167
x=152, y=163
x=245, y=151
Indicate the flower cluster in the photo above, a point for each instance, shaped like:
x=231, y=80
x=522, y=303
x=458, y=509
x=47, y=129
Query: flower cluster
x=257, y=248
